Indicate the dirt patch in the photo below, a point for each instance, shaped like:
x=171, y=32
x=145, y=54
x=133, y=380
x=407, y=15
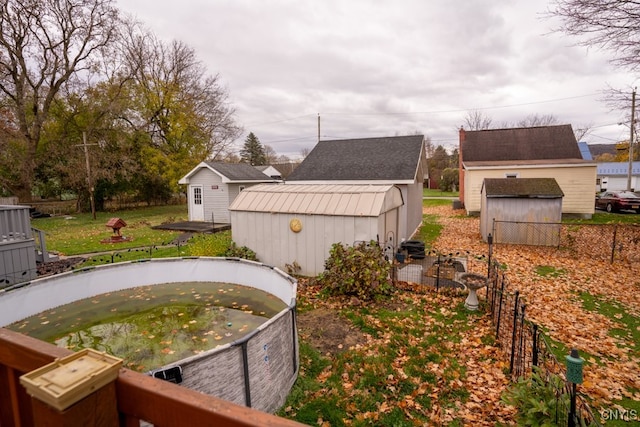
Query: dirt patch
x=60, y=266
x=328, y=332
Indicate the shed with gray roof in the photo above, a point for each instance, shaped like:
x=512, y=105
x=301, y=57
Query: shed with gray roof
x=521, y=210
x=398, y=160
x=212, y=186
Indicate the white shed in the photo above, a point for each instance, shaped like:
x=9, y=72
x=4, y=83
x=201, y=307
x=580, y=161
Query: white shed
x=299, y=223
x=212, y=186
x=525, y=210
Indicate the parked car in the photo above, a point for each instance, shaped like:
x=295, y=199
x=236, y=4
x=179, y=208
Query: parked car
x=615, y=201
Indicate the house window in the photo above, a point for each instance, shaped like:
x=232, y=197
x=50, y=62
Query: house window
x=511, y=175
x=197, y=195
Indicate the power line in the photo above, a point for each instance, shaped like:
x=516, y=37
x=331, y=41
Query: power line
x=279, y=121
x=465, y=109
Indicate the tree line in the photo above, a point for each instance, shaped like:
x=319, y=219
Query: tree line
x=92, y=100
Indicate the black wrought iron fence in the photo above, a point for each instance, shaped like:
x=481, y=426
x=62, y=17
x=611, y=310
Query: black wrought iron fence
x=605, y=242
x=435, y=270
x=527, y=347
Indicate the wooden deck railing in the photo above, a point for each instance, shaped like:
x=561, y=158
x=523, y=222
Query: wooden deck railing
x=139, y=397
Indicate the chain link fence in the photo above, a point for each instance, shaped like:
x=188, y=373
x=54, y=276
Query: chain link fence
x=605, y=242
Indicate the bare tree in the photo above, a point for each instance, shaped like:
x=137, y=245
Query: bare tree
x=533, y=120
x=477, y=120
x=582, y=130
x=612, y=25
x=304, y=152
x=44, y=44
x=429, y=149
x=283, y=159
x=270, y=155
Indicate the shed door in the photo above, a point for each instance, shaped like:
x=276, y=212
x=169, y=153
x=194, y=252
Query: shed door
x=196, y=207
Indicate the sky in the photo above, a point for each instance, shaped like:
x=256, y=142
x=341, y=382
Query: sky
x=348, y=69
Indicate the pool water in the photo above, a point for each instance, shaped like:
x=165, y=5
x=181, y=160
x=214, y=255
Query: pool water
x=153, y=326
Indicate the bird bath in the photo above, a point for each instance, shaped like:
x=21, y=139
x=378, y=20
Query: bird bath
x=473, y=282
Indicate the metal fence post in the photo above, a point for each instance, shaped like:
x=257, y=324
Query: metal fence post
x=490, y=241
x=534, y=349
x=438, y=274
x=521, y=352
x=613, y=244
x=513, y=335
x=500, y=310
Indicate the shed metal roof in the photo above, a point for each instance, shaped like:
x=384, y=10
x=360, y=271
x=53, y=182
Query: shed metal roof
x=319, y=199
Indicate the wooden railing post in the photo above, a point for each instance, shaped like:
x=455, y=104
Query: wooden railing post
x=99, y=409
x=76, y=390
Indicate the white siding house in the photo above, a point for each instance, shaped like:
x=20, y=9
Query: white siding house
x=534, y=152
x=211, y=187
x=296, y=223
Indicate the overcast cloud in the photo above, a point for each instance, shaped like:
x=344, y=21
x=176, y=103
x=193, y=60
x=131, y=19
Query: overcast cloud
x=374, y=68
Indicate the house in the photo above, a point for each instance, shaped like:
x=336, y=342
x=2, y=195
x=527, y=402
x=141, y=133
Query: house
x=296, y=224
x=533, y=152
x=399, y=161
x=270, y=171
x=525, y=211
x=212, y=186
x=615, y=176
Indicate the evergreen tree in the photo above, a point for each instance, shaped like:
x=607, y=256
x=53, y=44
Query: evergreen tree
x=253, y=152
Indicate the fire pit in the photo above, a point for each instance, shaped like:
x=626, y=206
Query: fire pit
x=473, y=282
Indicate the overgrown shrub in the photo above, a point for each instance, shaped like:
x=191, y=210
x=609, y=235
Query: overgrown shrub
x=240, y=252
x=359, y=271
x=539, y=400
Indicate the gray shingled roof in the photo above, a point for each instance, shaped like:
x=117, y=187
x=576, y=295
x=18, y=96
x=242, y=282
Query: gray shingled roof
x=534, y=143
x=385, y=159
x=240, y=172
x=522, y=187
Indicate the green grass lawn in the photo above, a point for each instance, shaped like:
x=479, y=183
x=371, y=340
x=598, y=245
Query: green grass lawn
x=81, y=234
x=427, y=192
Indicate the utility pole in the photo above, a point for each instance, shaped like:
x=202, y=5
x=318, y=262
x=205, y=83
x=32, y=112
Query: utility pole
x=631, y=129
x=89, y=180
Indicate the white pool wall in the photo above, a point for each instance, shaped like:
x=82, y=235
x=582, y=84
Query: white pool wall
x=257, y=370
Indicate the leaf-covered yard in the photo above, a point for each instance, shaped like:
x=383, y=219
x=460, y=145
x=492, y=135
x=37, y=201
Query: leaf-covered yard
x=423, y=359
x=581, y=302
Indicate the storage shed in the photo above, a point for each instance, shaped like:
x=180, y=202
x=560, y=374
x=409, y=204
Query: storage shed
x=525, y=210
x=299, y=223
x=212, y=186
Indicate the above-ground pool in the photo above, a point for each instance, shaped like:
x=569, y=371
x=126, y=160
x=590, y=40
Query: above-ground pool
x=257, y=370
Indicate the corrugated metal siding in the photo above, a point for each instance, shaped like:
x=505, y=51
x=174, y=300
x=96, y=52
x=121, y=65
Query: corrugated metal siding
x=268, y=234
x=414, y=209
x=260, y=218
x=340, y=200
x=520, y=210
